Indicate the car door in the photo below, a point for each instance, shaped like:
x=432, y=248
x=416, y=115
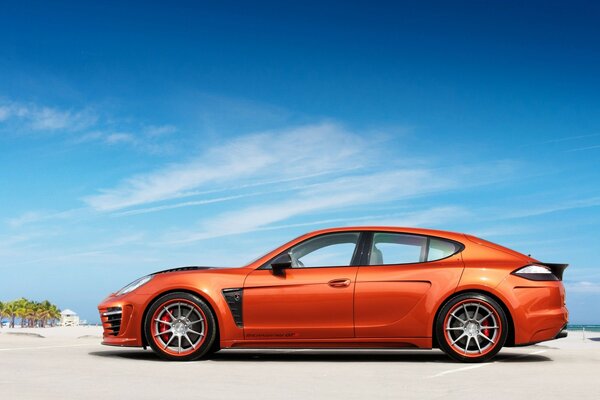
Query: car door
x=402, y=277
x=311, y=300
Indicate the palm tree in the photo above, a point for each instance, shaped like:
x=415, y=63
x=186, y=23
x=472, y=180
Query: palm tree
x=33, y=313
x=30, y=313
x=54, y=314
x=47, y=313
x=44, y=312
x=33, y=310
x=23, y=310
x=1, y=313
x=10, y=310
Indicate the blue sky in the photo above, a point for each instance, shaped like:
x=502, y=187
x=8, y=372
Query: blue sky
x=141, y=136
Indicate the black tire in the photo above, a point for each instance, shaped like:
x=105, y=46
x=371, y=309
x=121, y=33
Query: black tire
x=176, y=342
x=464, y=332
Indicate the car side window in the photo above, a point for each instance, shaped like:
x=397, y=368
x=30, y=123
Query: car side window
x=332, y=250
x=439, y=248
x=398, y=248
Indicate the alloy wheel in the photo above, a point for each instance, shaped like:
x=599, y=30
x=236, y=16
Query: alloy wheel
x=181, y=326
x=472, y=328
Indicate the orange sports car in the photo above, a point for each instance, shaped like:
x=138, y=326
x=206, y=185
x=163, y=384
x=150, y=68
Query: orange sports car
x=361, y=287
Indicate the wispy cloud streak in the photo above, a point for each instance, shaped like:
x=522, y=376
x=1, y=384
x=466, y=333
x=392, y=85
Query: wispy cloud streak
x=43, y=118
x=333, y=195
x=270, y=155
x=584, y=148
x=567, y=205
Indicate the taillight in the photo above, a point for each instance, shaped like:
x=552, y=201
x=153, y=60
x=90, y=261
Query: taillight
x=535, y=272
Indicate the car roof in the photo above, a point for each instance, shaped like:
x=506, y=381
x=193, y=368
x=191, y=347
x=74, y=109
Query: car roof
x=420, y=231
x=459, y=237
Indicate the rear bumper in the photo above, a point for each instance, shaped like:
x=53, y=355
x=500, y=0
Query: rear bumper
x=537, y=308
x=563, y=333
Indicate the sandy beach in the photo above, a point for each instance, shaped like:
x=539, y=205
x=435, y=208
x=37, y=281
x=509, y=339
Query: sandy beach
x=70, y=363
x=55, y=333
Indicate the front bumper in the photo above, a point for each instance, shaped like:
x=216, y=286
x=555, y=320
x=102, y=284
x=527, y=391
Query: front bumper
x=121, y=318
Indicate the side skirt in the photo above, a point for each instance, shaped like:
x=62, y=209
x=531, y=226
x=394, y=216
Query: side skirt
x=353, y=343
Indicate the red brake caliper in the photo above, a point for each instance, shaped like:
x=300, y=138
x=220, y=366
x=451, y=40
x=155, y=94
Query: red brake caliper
x=484, y=323
x=164, y=327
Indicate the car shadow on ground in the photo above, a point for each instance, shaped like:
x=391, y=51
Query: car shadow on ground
x=377, y=356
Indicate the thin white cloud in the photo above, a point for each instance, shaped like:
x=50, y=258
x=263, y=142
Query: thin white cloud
x=503, y=230
x=120, y=137
x=270, y=155
x=433, y=217
x=43, y=118
x=5, y=113
x=9, y=243
x=110, y=138
x=151, y=139
x=105, y=248
x=25, y=218
x=584, y=148
x=83, y=126
x=161, y=130
x=191, y=203
x=330, y=196
x=31, y=217
x=567, y=205
x=185, y=204
x=430, y=217
x=562, y=139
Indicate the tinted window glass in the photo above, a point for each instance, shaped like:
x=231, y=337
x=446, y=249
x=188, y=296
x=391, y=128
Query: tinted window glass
x=439, y=249
x=398, y=248
x=395, y=248
x=333, y=250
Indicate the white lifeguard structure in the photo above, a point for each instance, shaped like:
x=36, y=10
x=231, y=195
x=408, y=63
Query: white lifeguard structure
x=69, y=318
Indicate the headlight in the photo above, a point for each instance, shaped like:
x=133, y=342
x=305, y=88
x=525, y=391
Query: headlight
x=134, y=285
x=536, y=273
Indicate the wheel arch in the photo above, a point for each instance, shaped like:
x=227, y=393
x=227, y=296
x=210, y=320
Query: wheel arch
x=510, y=338
x=201, y=295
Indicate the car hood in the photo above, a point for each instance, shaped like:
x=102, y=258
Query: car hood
x=189, y=268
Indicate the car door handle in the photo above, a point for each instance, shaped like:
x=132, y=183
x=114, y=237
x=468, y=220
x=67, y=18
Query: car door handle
x=339, y=282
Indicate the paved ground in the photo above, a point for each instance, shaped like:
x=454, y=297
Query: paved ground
x=72, y=365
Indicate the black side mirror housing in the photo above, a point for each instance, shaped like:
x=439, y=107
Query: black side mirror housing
x=280, y=263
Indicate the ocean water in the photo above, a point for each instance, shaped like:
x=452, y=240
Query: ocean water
x=588, y=328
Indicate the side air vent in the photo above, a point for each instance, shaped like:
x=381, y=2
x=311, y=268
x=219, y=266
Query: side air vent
x=233, y=297
x=111, y=320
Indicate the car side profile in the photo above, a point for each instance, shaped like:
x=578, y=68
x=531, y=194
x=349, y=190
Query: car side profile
x=355, y=287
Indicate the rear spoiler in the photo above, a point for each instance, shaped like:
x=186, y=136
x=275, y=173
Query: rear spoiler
x=557, y=269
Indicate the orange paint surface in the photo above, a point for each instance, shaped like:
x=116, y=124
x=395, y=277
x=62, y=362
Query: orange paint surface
x=352, y=306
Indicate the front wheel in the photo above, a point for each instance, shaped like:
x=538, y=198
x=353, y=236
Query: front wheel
x=180, y=326
x=471, y=327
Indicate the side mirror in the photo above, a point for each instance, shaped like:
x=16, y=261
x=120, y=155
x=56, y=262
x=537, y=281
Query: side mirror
x=284, y=261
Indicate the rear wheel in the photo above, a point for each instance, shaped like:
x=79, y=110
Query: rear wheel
x=471, y=327
x=180, y=326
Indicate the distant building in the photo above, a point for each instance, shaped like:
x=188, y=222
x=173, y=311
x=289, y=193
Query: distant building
x=69, y=318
